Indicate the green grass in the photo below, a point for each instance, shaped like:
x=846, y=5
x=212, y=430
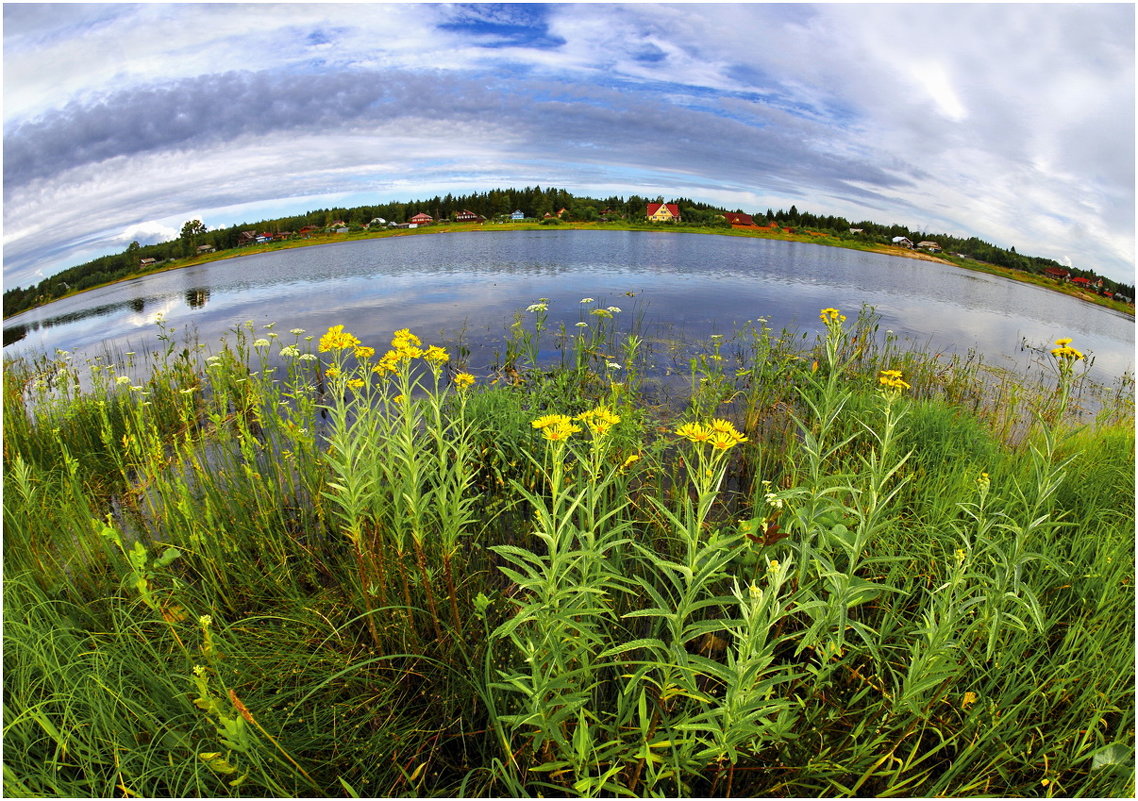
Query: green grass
x=276, y=571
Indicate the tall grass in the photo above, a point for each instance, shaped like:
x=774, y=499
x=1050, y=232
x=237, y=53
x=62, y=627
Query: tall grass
x=296, y=566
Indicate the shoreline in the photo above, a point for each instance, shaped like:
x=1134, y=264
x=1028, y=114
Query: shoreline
x=823, y=240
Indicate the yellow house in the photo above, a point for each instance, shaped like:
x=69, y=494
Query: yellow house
x=663, y=212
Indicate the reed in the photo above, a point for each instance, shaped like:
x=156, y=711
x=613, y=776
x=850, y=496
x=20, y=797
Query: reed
x=831, y=567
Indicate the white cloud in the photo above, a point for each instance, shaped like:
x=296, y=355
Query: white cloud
x=1013, y=123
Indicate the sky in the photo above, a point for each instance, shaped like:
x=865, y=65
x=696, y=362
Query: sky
x=1013, y=123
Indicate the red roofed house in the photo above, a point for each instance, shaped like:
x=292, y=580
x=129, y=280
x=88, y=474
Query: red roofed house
x=1056, y=272
x=1081, y=281
x=421, y=219
x=663, y=212
x=467, y=216
x=738, y=219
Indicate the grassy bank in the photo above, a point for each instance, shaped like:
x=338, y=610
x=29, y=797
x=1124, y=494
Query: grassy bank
x=304, y=566
x=773, y=232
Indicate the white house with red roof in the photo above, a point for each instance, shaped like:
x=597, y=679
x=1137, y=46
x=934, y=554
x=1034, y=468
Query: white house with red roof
x=421, y=219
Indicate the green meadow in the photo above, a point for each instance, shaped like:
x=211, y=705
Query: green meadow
x=298, y=564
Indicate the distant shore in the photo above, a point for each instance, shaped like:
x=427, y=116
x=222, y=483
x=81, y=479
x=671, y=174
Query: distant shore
x=755, y=232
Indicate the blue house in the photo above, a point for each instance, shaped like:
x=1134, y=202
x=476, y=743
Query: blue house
x=517, y=215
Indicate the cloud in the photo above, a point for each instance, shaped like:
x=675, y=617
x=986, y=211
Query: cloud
x=1012, y=123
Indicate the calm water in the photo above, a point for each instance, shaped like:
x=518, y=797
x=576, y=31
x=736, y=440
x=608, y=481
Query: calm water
x=686, y=285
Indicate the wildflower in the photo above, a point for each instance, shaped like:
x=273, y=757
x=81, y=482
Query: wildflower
x=537, y=307
x=587, y=300
x=601, y=313
x=122, y=379
x=290, y=351
x=559, y=431
x=337, y=338
x=308, y=357
x=296, y=331
x=436, y=356
x=755, y=592
x=631, y=460
x=199, y=670
x=273, y=335
x=1065, y=353
x=721, y=441
x=463, y=380
x=547, y=420
x=136, y=389
x=960, y=555
x=205, y=621
x=355, y=383
x=614, y=309
x=363, y=352
x=332, y=371
x=613, y=365
x=261, y=343
x=399, y=398
x=694, y=432
x=269, y=326
x=830, y=316
x=403, y=339
x=772, y=565
x=891, y=379
x=582, y=325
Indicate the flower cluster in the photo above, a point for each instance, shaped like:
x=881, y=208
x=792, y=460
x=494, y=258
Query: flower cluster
x=891, y=379
x=830, y=316
x=599, y=420
x=1065, y=352
x=720, y=434
x=463, y=380
x=337, y=338
x=556, y=427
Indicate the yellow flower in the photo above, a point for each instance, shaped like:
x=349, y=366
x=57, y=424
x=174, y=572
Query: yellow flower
x=548, y=420
x=436, y=355
x=694, y=432
x=356, y=383
x=336, y=338
x=600, y=414
x=891, y=379
x=463, y=380
x=968, y=699
x=332, y=371
x=364, y=352
x=631, y=460
x=404, y=338
x=724, y=427
x=1065, y=352
x=399, y=398
x=829, y=316
x=721, y=440
x=559, y=431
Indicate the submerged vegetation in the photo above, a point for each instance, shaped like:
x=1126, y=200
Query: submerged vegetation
x=297, y=566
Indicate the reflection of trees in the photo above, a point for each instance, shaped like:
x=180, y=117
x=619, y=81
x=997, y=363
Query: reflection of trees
x=196, y=298
x=138, y=304
x=15, y=334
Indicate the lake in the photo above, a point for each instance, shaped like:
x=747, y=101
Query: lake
x=677, y=285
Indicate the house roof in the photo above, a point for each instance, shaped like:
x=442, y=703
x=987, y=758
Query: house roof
x=738, y=219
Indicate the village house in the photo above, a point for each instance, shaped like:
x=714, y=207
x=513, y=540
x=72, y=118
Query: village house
x=421, y=219
x=246, y=238
x=517, y=215
x=1057, y=273
x=663, y=212
x=738, y=219
x=206, y=249
x=932, y=247
x=468, y=216
x=903, y=241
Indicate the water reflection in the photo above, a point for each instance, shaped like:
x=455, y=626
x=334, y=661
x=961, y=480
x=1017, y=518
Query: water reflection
x=473, y=283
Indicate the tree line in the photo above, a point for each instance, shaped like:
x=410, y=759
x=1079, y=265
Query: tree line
x=535, y=203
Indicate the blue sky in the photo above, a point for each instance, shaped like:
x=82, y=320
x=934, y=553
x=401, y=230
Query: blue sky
x=1013, y=123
